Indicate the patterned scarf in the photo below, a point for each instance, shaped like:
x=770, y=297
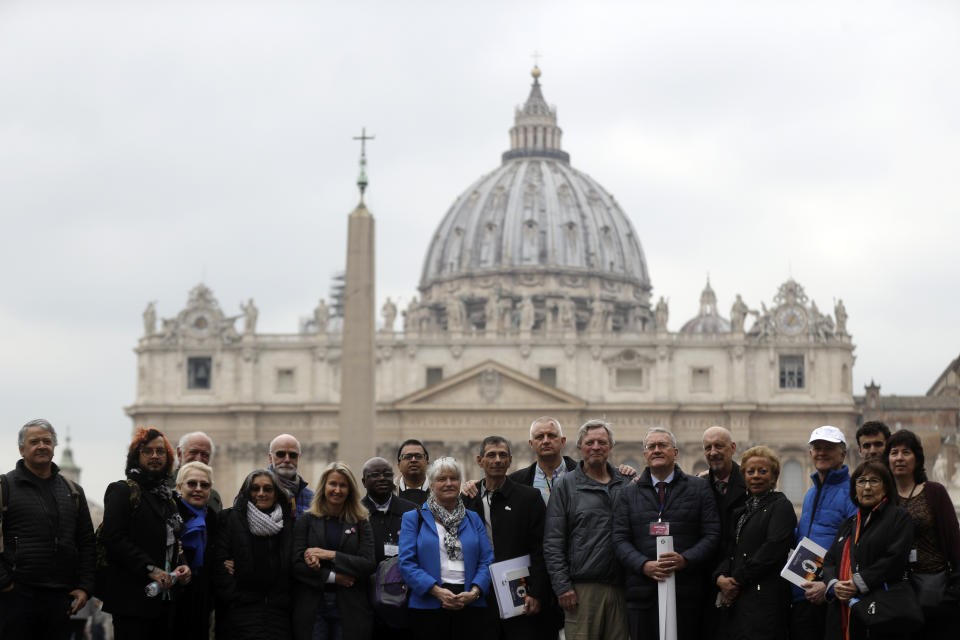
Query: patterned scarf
x=155, y=483
x=264, y=524
x=753, y=504
x=451, y=522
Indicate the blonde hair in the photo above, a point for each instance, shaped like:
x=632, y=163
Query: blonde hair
x=353, y=509
x=196, y=465
x=761, y=451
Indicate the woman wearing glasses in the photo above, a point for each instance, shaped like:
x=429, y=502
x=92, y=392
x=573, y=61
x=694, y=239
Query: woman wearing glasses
x=252, y=561
x=935, y=569
x=194, y=484
x=869, y=552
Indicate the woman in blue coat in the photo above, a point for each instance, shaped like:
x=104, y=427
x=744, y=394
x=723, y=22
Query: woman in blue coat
x=445, y=557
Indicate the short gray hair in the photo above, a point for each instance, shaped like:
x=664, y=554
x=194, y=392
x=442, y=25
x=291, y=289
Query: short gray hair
x=36, y=422
x=673, y=438
x=595, y=424
x=545, y=420
x=282, y=435
x=445, y=463
x=195, y=465
x=193, y=434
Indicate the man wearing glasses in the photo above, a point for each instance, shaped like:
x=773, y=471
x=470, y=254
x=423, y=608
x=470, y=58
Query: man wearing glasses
x=665, y=502
x=386, y=513
x=412, y=460
x=284, y=458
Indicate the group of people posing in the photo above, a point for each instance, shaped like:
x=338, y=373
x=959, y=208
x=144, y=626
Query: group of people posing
x=283, y=561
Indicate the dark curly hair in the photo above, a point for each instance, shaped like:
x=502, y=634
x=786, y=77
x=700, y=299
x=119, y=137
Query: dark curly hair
x=141, y=437
x=909, y=440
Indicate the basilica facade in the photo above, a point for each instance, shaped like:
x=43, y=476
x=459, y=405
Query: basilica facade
x=535, y=298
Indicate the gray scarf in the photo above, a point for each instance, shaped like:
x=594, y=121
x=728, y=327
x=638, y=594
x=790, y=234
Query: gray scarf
x=264, y=524
x=451, y=522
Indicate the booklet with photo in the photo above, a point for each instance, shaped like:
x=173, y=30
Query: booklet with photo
x=509, y=579
x=804, y=562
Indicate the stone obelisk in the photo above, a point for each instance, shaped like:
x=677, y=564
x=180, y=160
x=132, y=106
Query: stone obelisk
x=358, y=405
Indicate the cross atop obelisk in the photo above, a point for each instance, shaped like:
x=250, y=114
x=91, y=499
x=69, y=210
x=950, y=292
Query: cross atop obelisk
x=362, y=180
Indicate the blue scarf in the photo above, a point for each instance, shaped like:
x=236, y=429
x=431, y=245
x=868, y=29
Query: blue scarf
x=195, y=535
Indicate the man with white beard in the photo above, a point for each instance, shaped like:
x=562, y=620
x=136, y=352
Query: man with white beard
x=284, y=458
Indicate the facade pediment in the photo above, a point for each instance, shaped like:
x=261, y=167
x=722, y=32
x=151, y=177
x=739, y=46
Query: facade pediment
x=486, y=385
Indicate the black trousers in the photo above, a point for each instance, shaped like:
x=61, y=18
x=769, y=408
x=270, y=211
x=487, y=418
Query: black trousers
x=39, y=614
x=807, y=620
x=462, y=624
x=133, y=628
x=645, y=621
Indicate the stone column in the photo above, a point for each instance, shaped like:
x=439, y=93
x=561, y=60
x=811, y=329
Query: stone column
x=358, y=409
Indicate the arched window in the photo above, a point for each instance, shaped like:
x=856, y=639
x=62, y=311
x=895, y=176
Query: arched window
x=791, y=480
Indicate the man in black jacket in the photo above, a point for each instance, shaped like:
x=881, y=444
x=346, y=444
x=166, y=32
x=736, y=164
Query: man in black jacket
x=386, y=513
x=47, y=530
x=514, y=516
x=546, y=440
x=665, y=502
x=730, y=493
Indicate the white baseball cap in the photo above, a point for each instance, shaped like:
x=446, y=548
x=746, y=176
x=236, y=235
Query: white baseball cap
x=828, y=433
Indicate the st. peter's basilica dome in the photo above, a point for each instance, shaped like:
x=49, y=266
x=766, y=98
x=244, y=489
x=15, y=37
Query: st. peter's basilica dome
x=537, y=217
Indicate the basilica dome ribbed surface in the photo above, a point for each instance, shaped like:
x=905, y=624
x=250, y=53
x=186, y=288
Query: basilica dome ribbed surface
x=535, y=213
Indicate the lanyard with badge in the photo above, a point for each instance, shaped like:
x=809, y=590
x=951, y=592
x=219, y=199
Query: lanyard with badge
x=660, y=528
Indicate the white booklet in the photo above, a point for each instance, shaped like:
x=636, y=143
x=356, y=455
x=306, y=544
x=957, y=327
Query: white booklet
x=509, y=579
x=804, y=562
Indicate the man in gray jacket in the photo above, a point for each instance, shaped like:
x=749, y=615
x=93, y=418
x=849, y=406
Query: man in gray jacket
x=577, y=544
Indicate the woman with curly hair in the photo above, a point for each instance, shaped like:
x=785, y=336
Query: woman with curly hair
x=141, y=536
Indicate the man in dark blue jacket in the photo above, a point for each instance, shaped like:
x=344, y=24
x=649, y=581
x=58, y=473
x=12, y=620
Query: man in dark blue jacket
x=665, y=501
x=825, y=506
x=47, y=554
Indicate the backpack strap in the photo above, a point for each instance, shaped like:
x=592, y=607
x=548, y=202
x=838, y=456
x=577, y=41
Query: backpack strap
x=74, y=491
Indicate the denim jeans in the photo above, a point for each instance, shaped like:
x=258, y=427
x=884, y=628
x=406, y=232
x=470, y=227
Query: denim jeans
x=327, y=625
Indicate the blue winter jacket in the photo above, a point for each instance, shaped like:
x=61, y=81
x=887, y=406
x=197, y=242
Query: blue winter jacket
x=825, y=508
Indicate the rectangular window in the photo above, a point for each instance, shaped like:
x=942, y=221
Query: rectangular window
x=434, y=375
x=791, y=372
x=286, y=381
x=548, y=376
x=630, y=378
x=700, y=379
x=199, y=373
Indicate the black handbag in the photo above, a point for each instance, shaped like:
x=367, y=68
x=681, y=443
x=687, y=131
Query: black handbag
x=930, y=587
x=896, y=608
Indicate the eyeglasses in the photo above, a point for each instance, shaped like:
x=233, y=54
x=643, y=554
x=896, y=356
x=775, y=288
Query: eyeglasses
x=160, y=452
x=873, y=482
x=293, y=455
x=413, y=456
x=193, y=484
x=653, y=446
x=267, y=488
x=379, y=474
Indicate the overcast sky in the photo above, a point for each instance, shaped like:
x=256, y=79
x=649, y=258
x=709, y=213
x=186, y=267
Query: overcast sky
x=147, y=146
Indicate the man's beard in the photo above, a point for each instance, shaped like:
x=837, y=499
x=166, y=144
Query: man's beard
x=286, y=471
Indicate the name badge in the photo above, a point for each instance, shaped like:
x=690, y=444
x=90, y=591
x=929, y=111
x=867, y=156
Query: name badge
x=390, y=550
x=913, y=556
x=659, y=528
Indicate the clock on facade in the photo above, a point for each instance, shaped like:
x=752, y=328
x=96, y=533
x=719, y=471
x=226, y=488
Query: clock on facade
x=791, y=319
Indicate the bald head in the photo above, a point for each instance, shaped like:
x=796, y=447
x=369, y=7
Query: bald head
x=718, y=450
x=377, y=479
